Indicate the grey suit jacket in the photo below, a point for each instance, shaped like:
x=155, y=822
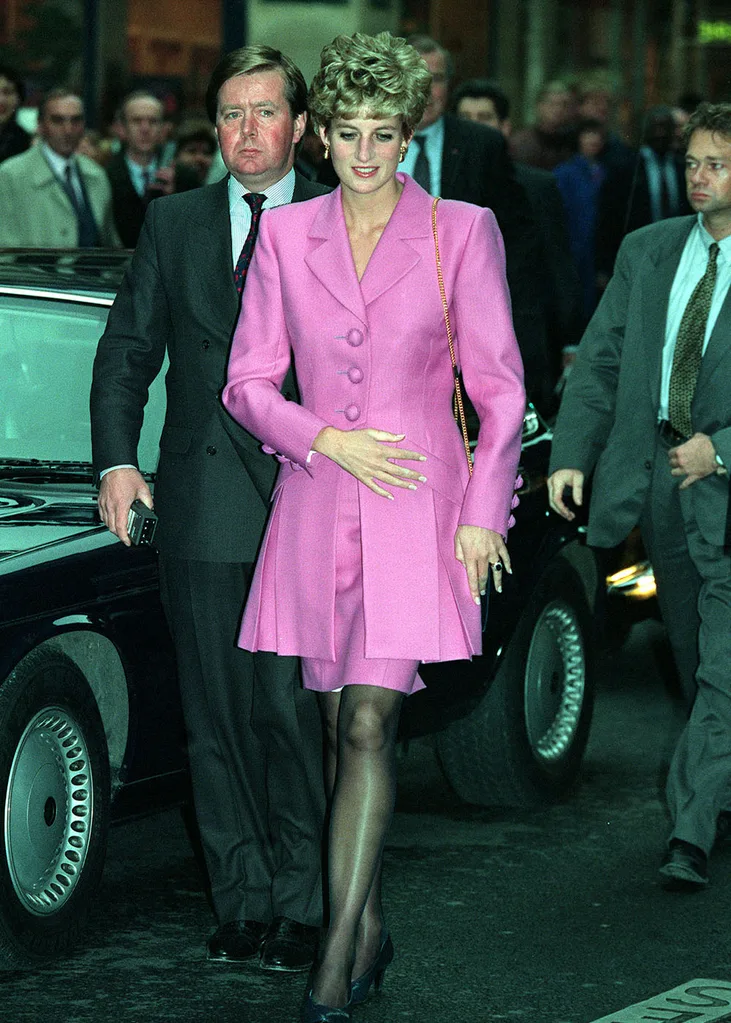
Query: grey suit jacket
x=36, y=210
x=178, y=295
x=608, y=415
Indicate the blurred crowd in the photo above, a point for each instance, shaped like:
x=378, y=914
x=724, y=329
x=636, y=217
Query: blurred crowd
x=585, y=184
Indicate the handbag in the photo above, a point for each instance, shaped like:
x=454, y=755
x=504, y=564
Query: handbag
x=459, y=412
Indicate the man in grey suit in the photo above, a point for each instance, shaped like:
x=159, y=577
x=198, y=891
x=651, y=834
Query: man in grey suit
x=647, y=410
x=254, y=735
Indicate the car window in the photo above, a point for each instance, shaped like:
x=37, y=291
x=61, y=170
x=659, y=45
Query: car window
x=47, y=350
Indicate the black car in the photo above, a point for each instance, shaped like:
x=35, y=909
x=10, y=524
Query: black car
x=90, y=725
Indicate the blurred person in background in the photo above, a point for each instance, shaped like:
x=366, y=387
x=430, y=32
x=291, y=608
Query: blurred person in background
x=456, y=159
x=580, y=181
x=484, y=102
x=551, y=139
x=650, y=189
x=137, y=173
x=13, y=139
x=195, y=145
x=50, y=196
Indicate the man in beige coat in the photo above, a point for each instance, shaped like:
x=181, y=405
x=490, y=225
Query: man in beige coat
x=51, y=197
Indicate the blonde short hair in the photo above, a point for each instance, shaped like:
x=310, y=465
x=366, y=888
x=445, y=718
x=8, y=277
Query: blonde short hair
x=381, y=74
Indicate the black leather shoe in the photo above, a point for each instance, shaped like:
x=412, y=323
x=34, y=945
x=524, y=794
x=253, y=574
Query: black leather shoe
x=289, y=946
x=238, y=941
x=685, y=867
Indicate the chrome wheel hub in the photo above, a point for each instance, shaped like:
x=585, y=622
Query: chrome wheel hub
x=555, y=680
x=48, y=811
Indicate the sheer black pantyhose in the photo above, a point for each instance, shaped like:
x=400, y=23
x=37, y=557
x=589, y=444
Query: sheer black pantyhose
x=361, y=725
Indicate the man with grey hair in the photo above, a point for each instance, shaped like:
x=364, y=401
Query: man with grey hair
x=254, y=735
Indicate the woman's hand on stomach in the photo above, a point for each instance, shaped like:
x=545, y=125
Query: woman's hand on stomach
x=368, y=455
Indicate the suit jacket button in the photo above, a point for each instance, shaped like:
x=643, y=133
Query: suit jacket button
x=211, y=450
x=354, y=337
x=205, y=345
x=355, y=374
x=352, y=413
x=648, y=464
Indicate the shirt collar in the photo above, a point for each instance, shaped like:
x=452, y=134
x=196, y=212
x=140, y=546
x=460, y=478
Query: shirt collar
x=706, y=239
x=434, y=134
x=58, y=164
x=278, y=194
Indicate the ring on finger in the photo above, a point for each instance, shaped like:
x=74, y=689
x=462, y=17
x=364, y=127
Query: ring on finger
x=497, y=566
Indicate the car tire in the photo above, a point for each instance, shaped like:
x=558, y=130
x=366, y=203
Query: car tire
x=522, y=745
x=54, y=785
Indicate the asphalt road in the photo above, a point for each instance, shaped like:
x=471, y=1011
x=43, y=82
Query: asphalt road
x=548, y=917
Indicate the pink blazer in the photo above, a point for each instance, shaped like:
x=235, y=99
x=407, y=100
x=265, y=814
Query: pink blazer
x=374, y=354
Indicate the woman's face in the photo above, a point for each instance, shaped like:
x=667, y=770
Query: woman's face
x=9, y=99
x=365, y=150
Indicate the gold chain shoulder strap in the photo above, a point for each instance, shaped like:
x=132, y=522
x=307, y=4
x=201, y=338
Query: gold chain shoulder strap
x=450, y=340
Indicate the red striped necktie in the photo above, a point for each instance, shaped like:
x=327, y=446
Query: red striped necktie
x=255, y=201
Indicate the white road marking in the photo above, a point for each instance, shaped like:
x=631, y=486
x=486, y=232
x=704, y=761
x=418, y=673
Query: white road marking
x=696, y=1001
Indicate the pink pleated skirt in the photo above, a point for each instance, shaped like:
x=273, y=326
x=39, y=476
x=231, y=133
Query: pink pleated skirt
x=351, y=666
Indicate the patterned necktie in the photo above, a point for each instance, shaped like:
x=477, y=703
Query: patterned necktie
x=255, y=201
x=422, y=172
x=689, y=348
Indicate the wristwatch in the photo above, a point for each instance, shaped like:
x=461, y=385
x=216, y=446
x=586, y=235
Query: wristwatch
x=721, y=469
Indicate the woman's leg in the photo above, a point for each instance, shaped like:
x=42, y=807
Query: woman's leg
x=362, y=807
x=370, y=928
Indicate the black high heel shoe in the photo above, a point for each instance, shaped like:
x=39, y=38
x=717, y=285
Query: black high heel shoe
x=361, y=986
x=313, y=1012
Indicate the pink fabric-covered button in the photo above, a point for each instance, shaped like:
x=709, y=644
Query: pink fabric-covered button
x=352, y=413
x=354, y=337
x=355, y=374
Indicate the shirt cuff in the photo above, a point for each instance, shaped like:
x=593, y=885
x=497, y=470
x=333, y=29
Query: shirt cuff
x=125, y=465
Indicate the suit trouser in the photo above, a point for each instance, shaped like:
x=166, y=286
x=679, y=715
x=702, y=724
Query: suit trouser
x=694, y=593
x=255, y=750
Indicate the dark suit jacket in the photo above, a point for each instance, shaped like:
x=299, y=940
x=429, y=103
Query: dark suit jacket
x=476, y=168
x=178, y=295
x=560, y=284
x=13, y=140
x=625, y=206
x=607, y=422
x=128, y=207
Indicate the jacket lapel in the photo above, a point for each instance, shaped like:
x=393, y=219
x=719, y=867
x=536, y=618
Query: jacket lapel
x=662, y=267
x=393, y=256
x=213, y=217
x=451, y=158
x=719, y=343
x=331, y=259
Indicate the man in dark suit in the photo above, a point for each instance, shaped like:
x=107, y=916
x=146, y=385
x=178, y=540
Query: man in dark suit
x=643, y=191
x=254, y=735
x=457, y=160
x=484, y=102
x=646, y=409
x=135, y=173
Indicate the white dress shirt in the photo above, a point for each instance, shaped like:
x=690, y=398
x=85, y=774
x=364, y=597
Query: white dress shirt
x=692, y=266
x=59, y=165
x=434, y=148
x=141, y=176
x=278, y=194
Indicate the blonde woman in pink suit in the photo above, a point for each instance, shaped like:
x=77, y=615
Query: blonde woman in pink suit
x=379, y=543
